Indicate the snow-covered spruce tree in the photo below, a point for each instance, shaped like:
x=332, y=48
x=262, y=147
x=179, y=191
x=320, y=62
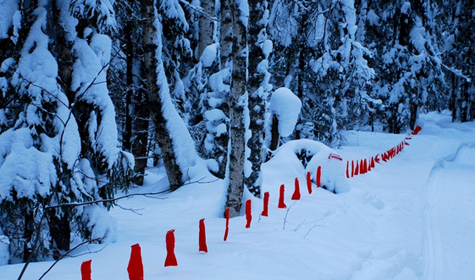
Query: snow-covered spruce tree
x=407, y=62
x=171, y=134
x=238, y=102
x=126, y=83
x=457, y=19
x=321, y=36
x=43, y=158
x=258, y=87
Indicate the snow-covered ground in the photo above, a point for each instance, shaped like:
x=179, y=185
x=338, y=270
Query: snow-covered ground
x=412, y=217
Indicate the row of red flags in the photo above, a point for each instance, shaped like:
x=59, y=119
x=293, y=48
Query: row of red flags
x=363, y=166
x=135, y=267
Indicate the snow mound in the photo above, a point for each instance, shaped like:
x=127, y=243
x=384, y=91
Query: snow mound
x=312, y=154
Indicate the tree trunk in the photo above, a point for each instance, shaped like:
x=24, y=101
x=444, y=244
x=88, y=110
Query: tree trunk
x=274, y=141
x=257, y=93
x=140, y=142
x=237, y=102
x=206, y=26
x=129, y=53
x=151, y=68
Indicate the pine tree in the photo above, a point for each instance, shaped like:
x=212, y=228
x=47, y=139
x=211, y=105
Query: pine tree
x=46, y=160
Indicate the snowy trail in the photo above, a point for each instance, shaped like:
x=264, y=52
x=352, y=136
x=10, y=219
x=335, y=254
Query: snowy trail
x=412, y=218
x=450, y=217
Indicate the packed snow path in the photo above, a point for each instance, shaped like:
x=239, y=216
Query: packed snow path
x=411, y=218
x=450, y=216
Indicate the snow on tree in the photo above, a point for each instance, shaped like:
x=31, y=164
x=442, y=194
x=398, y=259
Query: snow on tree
x=260, y=48
x=176, y=145
x=238, y=102
x=284, y=110
x=321, y=36
x=54, y=150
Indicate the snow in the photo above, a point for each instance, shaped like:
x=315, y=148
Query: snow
x=410, y=218
x=209, y=55
x=8, y=9
x=184, y=147
x=286, y=106
x=373, y=18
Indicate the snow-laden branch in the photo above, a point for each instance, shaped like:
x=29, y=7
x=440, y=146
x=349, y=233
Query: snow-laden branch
x=199, y=10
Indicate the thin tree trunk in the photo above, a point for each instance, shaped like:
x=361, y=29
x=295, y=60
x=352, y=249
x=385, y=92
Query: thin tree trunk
x=237, y=102
x=206, y=26
x=257, y=94
x=127, y=134
x=140, y=143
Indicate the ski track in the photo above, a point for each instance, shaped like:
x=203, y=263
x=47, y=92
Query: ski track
x=448, y=243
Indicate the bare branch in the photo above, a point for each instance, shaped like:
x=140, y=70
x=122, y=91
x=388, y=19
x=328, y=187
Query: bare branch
x=62, y=256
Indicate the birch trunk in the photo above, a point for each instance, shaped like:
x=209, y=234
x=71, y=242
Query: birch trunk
x=237, y=102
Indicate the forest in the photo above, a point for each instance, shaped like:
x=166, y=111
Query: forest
x=93, y=91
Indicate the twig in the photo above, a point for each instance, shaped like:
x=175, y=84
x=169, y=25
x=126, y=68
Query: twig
x=310, y=230
x=62, y=256
x=299, y=226
x=104, y=200
x=287, y=213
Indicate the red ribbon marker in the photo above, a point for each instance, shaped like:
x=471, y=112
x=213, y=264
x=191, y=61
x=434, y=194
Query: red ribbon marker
x=372, y=162
x=170, y=240
x=319, y=175
x=248, y=213
x=296, y=194
x=281, y=198
x=352, y=168
x=357, y=168
x=265, y=211
x=309, y=183
x=376, y=159
x=226, y=215
x=86, y=270
x=135, y=267
x=347, y=174
x=202, y=237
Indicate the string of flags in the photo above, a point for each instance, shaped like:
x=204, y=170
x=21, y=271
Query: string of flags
x=358, y=167
x=363, y=166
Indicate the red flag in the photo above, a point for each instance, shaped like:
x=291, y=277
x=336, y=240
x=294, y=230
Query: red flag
x=248, y=213
x=309, y=182
x=372, y=162
x=266, y=205
x=362, y=171
x=135, y=267
x=319, y=176
x=281, y=198
x=352, y=168
x=335, y=156
x=170, y=240
x=226, y=231
x=86, y=270
x=347, y=166
x=376, y=159
x=202, y=237
x=296, y=194
x=357, y=168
